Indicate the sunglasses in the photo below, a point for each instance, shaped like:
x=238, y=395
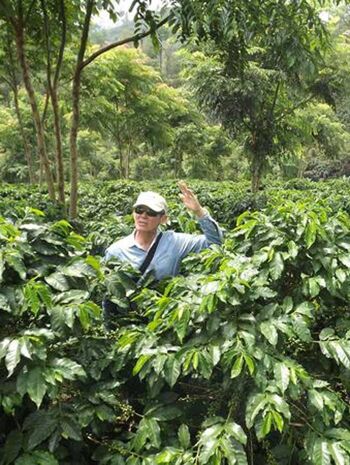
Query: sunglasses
x=148, y=211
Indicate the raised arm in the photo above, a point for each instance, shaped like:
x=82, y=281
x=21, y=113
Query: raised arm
x=212, y=233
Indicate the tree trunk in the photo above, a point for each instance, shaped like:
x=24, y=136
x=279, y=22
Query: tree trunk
x=76, y=93
x=19, y=33
x=127, y=164
x=121, y=164
x=52, y=86
x=161, y=59
x=73, y=207
x=256, y=178
x=59, y=151
x=26, y=147
x=257, y=167
x=178, y=164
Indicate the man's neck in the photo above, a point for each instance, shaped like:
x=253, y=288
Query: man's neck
x=144, y=239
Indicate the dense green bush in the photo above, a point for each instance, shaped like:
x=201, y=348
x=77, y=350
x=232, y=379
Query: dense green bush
x=327, y=169
x=244, y=358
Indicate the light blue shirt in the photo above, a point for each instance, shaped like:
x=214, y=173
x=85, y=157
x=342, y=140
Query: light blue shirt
x=172, y=248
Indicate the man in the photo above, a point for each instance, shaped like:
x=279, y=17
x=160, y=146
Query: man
x=150, y=211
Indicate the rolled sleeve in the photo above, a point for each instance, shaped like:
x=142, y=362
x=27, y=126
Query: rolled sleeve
x=212, y=234
x=212, y=231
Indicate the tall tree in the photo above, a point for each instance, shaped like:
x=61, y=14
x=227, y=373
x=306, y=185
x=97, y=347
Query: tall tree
x=259, y=54
x=10, y=74
x=16, y=14
x=144, y=19
x=52, y=83
x=130, y=105
x=75, y=114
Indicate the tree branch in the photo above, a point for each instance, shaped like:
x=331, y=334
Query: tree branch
x=298, y=105
x=127, y=40
x=275, y=99
x=29, y=11
x=62, y=45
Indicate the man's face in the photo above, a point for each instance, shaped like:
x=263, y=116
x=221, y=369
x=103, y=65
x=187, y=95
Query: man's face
x=147, y=220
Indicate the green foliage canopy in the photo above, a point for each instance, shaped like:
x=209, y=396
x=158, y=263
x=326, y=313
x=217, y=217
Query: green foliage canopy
x=246, y=356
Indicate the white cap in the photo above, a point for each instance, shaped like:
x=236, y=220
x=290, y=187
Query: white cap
x=152, y=200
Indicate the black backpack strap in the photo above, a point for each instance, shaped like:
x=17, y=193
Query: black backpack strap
x=150, y=254
x=113, y=313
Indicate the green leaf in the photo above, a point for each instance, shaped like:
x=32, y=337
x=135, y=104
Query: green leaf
x=266, y=425
x=149, y=428
x=316, y=399
x=320, y=454
x=181, y=324
x=314, y=288
x=36, y=295
x=301, y=329
x=61, y=227
x=127, y=282
x=292, y=249
x=341, y=275
x=12, y=447
x=4, y=303
x=164, y=413
x=166, y=456
x=208, y=303
x=287, y=304
x=338, y=454
x=84, y=316
x=326, y=333
x=276, y=266
x=250, y=363
x=140, y=363
x=255, y=404
x=269, y=331
x=70, y=428
x=280, y=405
x=104, y=413
x=32, y=298
x=282, y=376
x=76, y=296
x=3, y=347
x=36, y=386
x=37, y=458
x=61, y=317
x=58, y=281
x=215, y=354
x=310, y=233
x=237, y=366
x=184, y=436
x=345, y=259
x=15, y=261
x=339, y=349
x=13, y=356
x=205, y=364
x=67, y=368
x=278, y=421
x=39, y=425
x=172, y=370
x=236, y=431
x=209, y=442
x=95, y=264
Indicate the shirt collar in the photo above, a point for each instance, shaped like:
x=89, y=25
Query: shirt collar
x=130, y=240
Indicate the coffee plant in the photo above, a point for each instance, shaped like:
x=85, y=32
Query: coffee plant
x=244, y=358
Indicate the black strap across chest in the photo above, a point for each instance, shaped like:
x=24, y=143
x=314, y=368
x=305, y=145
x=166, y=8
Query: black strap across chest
x=150, y=254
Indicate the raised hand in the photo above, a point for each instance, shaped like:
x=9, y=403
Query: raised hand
x=190, y=200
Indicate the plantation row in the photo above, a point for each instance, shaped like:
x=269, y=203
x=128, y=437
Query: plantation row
x=243, y=358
